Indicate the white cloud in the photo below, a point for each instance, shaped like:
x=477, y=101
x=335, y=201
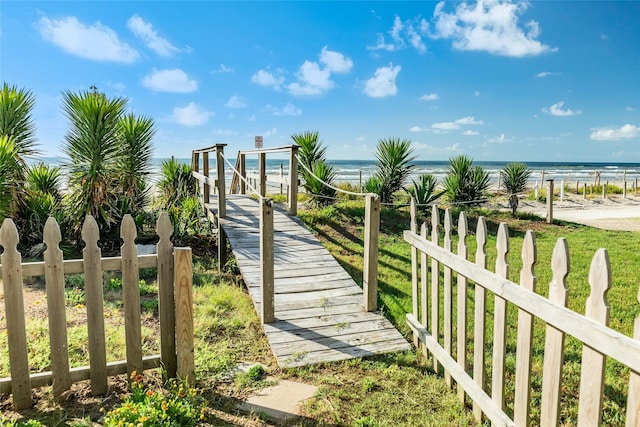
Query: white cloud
x=401, y=33
x=430, y=97
x=191, y=115
x=288, y=110
x=470, y=133
x=432, y=149
x=223, y=132
x=174, y=81
x=546, y=74
x=418, y=129
x=266, y=78
x=236, y=102
x=119, y=87
x=335, y=61
x=144, y=31
x=627, y=131
x=465, y=121
x=556, y=110
x=222, y=69
x=630, y=109
x=476, y=93
x=490, y=26
x=499, y=139
x=383, y=82
x=96, y=42
x=314, y=79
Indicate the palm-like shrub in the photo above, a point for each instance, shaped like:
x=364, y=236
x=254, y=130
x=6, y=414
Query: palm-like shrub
x=9, y=168
x=465, y=183
x=44, y=179
x=134, y=165
x=393, y=168
x=514, y=178
x=176, y=183
x=313, y=157
x=424, y=191
x=94, y=151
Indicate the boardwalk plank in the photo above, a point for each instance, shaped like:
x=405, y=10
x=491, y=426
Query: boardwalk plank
x=318, y=306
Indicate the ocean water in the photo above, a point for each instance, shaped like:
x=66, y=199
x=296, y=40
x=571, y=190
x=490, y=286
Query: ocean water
x=357, y=171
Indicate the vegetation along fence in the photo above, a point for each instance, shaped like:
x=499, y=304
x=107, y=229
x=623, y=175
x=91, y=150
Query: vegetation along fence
x=599, y=341
x=175, y=308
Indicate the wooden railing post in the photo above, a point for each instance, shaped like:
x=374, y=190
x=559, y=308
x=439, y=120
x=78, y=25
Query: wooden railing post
x=14, y=309
x=267, y=309
x=293, y=181
x=415, y=298
x=184, y=315
x=550, y=202
x=370, y=269
x=195, y=161
x=206, y=188
x=262, y=172
x=222, y=206
x=166, y=295
x=243, y=173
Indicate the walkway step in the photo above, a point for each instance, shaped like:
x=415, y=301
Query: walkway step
x=318, y=306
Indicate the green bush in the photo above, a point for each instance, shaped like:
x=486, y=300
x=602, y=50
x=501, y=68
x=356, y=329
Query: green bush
x=392, y=168
x=313, y=156
x=465, y=183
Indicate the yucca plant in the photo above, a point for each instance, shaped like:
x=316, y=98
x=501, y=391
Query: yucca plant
x=393, y=168
x=94, y=151
x=313, y=156
x=424, y=191
x=465, y=183
x=515, y=177
x=134, y=165
x=45, y=179
x=176, y=183
x=9, y=167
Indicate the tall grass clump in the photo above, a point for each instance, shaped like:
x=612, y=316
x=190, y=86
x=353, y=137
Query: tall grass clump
x=424, y=191
x=316, y=170
x=464, y=182
x=514, y=178
x=393, y=167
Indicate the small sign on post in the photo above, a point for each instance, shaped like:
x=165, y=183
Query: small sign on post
x=258, y=141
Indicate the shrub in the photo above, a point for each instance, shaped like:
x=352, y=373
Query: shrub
x=313, y=157
x=465, y=183
x=424, y=191
x=392, y=169
x=514, y=178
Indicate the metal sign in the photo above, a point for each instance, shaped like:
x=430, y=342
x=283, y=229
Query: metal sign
x=259, y=141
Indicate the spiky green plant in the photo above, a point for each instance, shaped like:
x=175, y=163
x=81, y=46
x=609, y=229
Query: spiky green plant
x=176, y=183
x=94, y=150
x=515, y=177
x=134, y=165
x=9, y=167
x=16, y=107
x=465, y=183
x=45, y=179
x=393, y=168
x=424, y=191
x=313, y=157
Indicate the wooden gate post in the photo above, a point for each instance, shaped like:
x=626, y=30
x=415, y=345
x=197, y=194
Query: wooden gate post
x=370, y=270
x=222, y=206
x=243, y=173
x=206, y=188
x=293, y=181
x=267, y=310
x=184, y=314
x=262, y=172
x=550, y=202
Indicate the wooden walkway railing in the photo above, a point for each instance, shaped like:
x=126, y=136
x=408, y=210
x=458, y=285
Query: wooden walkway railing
x=175, y=309
x=599, y=341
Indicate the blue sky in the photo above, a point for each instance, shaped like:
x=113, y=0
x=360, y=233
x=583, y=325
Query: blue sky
x=530, y=81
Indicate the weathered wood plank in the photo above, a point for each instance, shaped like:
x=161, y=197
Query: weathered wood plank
x=166, y=295
x=335, y=330
x=435, y=282
x=185, y=346
x=461, y=341
x=500, y=321
x=323, y=320
x=447, y=292
x=479, y=315
x=131, y=295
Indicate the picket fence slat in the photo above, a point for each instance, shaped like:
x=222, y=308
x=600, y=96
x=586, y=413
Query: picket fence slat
x=424, y=285
x=185, y=345
x=461, y=340
x=633, y=400
x=14, y=309
x=500, y=320
x=525, y=335
x=166, y=295
x=554, y=338
x=447, y=290
x=54, y=280
x=593, y=362
x=435, y=282
x=414, y=268
x=480, y=315
x=131, y=296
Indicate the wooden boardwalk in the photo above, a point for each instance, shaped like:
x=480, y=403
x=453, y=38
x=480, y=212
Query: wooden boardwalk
x=318, y=306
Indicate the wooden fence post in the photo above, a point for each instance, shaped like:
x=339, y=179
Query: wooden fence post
x=166, y=295
x=222, y=206
x=462, y=302
x=54, y=280
x=633, y=400
x=370, y=268
x=480, y=315
x=14, y=310
x=554, y=339
x=525, y=335
x=584, y=191
x=500, y=321
x=448, y=293
x=435, y=282
x=131, y=296
x=267, y=309
x=262, y=173
x=184, y=315
x=550, y=201
x=95, y=306
x=424, y=280
x=293, y=181
x=415, y=302
x=243, y=173
x=593, y=362
x=206, y=188
x=195, y=161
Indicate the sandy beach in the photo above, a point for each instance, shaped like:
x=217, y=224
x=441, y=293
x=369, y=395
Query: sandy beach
x=613, y=213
